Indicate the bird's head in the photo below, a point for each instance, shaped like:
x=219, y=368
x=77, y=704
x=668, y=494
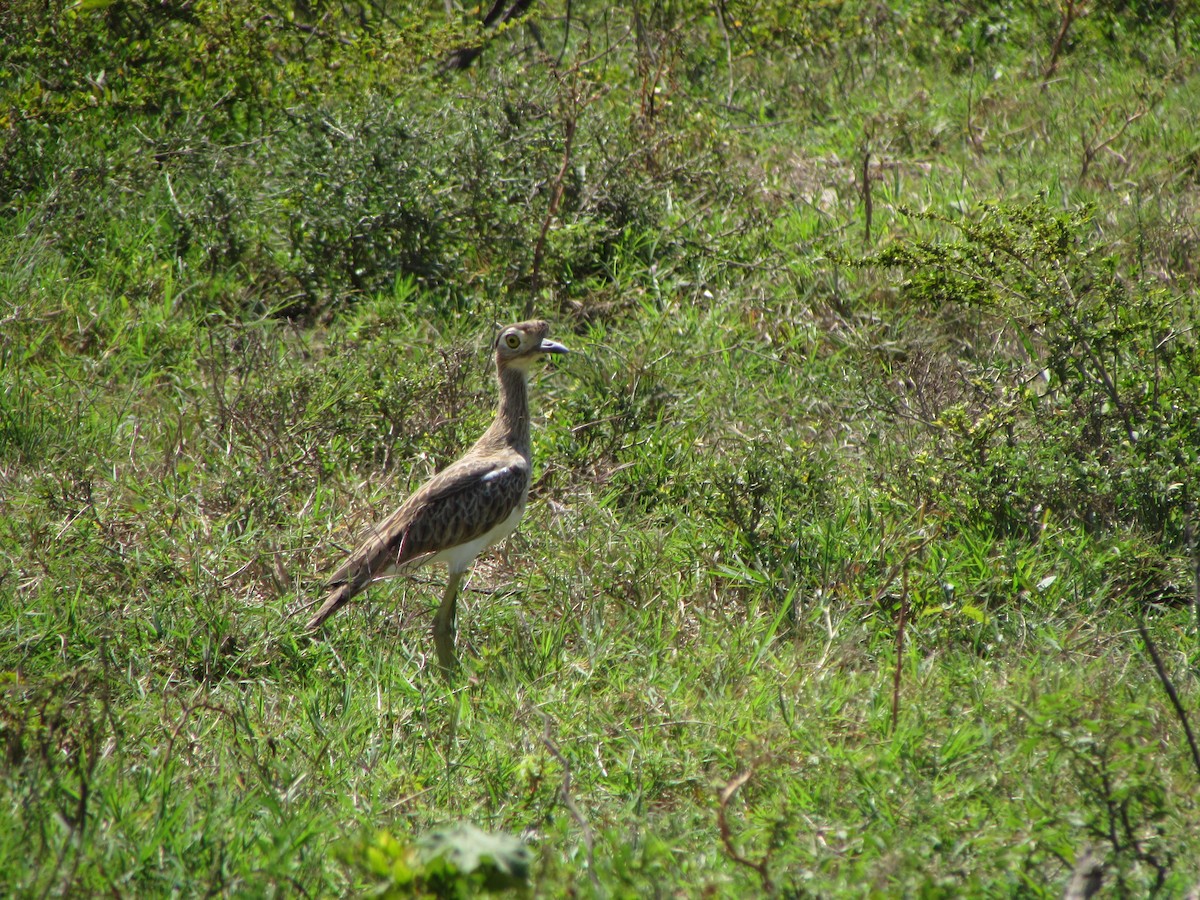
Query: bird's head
x=517, y=346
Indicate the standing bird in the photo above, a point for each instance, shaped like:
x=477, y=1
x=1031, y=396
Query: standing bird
x=467, y=507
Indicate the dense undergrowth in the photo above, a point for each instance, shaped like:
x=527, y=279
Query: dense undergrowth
x=860, y=559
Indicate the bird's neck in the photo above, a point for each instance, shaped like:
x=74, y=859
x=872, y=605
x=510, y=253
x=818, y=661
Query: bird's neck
x=511, y=427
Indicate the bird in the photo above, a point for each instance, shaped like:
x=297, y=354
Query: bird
x=473, y=503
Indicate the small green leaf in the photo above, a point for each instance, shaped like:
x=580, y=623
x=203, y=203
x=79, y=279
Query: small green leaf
x=973, y=612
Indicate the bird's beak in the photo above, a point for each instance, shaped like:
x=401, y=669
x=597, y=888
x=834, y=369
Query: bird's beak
x=549, y=346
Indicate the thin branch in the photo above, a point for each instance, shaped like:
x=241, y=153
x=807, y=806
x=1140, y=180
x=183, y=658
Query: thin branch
x=1106, y=380
x=589, y=839
x=571, y=105
x=899, y=649
x=1189, y=540
x=566, y=34
x=723, y=797
x=901, y=566
x=556, y=192
x=866, y=194
x=721, y=12
x=1091, y=149
x=1169, y=687
x=310, y=30
x=1070, y=10
x=463, y=57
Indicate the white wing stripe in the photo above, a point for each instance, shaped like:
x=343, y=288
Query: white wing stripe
x=496, y=474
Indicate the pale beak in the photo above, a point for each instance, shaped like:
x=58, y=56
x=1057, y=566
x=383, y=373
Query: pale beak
x=549, y=346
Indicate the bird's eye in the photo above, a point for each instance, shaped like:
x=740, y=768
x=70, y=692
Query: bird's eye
x=513, y=341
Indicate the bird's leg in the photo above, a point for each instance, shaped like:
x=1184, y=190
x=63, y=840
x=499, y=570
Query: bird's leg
x=443, y=625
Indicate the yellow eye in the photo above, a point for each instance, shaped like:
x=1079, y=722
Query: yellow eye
x=512, y=341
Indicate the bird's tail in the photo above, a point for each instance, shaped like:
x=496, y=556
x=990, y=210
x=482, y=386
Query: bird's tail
x=338, y=597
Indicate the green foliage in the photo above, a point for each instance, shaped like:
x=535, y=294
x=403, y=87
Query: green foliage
x=840, y=511
x=359, y=202
x=1122, y=800
x=1088, y=423
x=232, y=62
x=818, y=28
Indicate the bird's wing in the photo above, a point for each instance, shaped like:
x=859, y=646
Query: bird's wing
x=462, y=502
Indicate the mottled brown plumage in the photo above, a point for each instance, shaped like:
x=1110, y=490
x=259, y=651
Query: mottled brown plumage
x=473, y=503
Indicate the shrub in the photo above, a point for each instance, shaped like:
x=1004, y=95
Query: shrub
x=1092, y=373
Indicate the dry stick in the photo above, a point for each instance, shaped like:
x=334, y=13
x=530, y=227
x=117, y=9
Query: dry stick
x=728, y=49
x=1068, y=16
x=539, y=249
x=899, y=648
x=566, y=35
x=1170, y=689
x=87, y=756
x=589, y=840
x=306, y=29
x=1090, y=150
x=899, y=567
x=723, y=798
x=974, y=138
x=866, y=192
x=497, y=15
x=1189, y=540
x=1080, y=336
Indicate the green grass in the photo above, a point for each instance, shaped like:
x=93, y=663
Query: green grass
x=831, y=580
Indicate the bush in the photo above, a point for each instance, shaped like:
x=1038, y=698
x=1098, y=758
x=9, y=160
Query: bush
x=1091, y=373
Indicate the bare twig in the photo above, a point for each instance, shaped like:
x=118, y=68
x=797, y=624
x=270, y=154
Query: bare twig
x=1102, y=373
x=1070, y=10
x=572, y=102
x=721, y=12
x=1093, y=147
x=570, y=122
x=566, y=34
x=311, y=30
x=589, y=839
x=499, y=14
x=866, y=193
x=1172, y=694
x=723, y=797
x=974, y=134
x=1189, y=540
x=900, y=566
x=899, y=649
